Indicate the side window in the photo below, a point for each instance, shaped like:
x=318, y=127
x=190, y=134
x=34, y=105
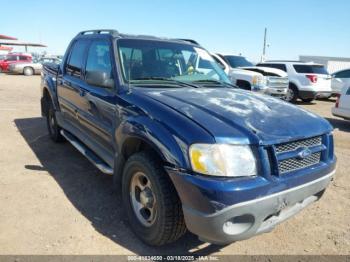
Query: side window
x=12, y=58
x=22, y=58
x=74, y=65
x=282, y=67
x=99, y=58
x=219, y=62
x=348, y=91
x=277, y=66
x=204, y=64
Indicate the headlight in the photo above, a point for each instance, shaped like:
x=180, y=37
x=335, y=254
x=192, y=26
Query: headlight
x=259, y=81
x=223, y=160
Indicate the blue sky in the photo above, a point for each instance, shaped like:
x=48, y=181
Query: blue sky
x=294, y=27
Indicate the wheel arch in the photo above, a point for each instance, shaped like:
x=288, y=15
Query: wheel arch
x=243, y=84
x=147, y=135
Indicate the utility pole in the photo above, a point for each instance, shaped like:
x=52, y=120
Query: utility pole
x=263, y=57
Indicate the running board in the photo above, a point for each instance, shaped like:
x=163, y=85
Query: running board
x=91, y=156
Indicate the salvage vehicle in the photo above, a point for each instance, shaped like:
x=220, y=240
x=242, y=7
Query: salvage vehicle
x=186, y=149
x=31, y=68
x=245, y=75
x=340, y=80
x=308, y=81
x=14, y=58
x=342, y=105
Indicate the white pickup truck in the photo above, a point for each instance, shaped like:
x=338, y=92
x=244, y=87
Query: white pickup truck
x=247, y=76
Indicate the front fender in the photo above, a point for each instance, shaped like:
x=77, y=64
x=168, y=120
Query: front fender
x=172, y=149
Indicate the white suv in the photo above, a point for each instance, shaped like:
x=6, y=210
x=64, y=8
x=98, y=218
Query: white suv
x=307, y=81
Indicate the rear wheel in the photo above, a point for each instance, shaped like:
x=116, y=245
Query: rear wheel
x=28, y=71
x=150, y=200
x=52, y=126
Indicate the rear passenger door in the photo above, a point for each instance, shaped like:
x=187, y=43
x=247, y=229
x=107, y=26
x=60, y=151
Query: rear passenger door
x=69, y=85
x=98, y=117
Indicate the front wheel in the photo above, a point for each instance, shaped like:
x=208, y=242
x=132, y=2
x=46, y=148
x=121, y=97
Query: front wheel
x=150, y=200
x=52, y=126
x=292, y=94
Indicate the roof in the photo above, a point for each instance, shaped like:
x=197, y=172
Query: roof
x=116, y=34
x=288, y=62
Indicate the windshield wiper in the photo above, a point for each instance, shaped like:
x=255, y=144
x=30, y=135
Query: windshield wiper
x=166, y=79
x=214, y=82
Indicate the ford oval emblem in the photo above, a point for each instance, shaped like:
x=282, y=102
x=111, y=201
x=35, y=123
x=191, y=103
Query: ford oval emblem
x=304, y=153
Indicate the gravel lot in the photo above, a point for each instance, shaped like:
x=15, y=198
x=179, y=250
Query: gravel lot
x=53, y=201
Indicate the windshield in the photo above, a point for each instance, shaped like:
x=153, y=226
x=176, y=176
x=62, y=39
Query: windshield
x=237, y=61
x=143, y=61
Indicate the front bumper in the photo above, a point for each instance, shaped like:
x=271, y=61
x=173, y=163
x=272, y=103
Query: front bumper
x=246, y=219
x=273, y=91
x=224, y=211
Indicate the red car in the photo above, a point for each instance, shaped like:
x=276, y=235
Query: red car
x=13, y=59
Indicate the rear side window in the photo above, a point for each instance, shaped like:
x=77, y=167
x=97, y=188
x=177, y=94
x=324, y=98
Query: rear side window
x=74, y=65
x=310, y=69
x=12, y=58
x=277, y=66
x=21, y=57
x=343, y=74
x=99, y=58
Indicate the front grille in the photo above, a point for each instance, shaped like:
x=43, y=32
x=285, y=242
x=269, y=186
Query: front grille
x=293, y=164
x=277, y=82
x=292, y=146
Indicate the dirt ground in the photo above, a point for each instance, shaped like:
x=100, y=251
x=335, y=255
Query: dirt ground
x=53, y=201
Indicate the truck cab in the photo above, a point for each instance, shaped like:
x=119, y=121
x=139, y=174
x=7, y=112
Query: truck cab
x=185, y=148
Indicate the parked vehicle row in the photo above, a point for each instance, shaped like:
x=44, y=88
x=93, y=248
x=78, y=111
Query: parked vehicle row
x=342, y=105
x=245, y=75
x=186, y=148
x=340, y=80
x=307, y=80
x=14, y=58
x=31, y=68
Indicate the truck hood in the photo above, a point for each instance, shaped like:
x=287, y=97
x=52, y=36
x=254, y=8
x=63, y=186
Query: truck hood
x=276, y=71
x=240, y=117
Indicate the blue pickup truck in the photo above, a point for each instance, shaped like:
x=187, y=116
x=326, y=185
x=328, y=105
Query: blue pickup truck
x=187, y=150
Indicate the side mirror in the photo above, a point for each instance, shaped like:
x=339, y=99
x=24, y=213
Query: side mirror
x=99, y=78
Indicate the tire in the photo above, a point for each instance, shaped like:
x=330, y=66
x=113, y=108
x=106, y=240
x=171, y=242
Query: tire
x=307, y=100
x=292, y=94
x=28, y=71
x=144, y=184
x=52, y=126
